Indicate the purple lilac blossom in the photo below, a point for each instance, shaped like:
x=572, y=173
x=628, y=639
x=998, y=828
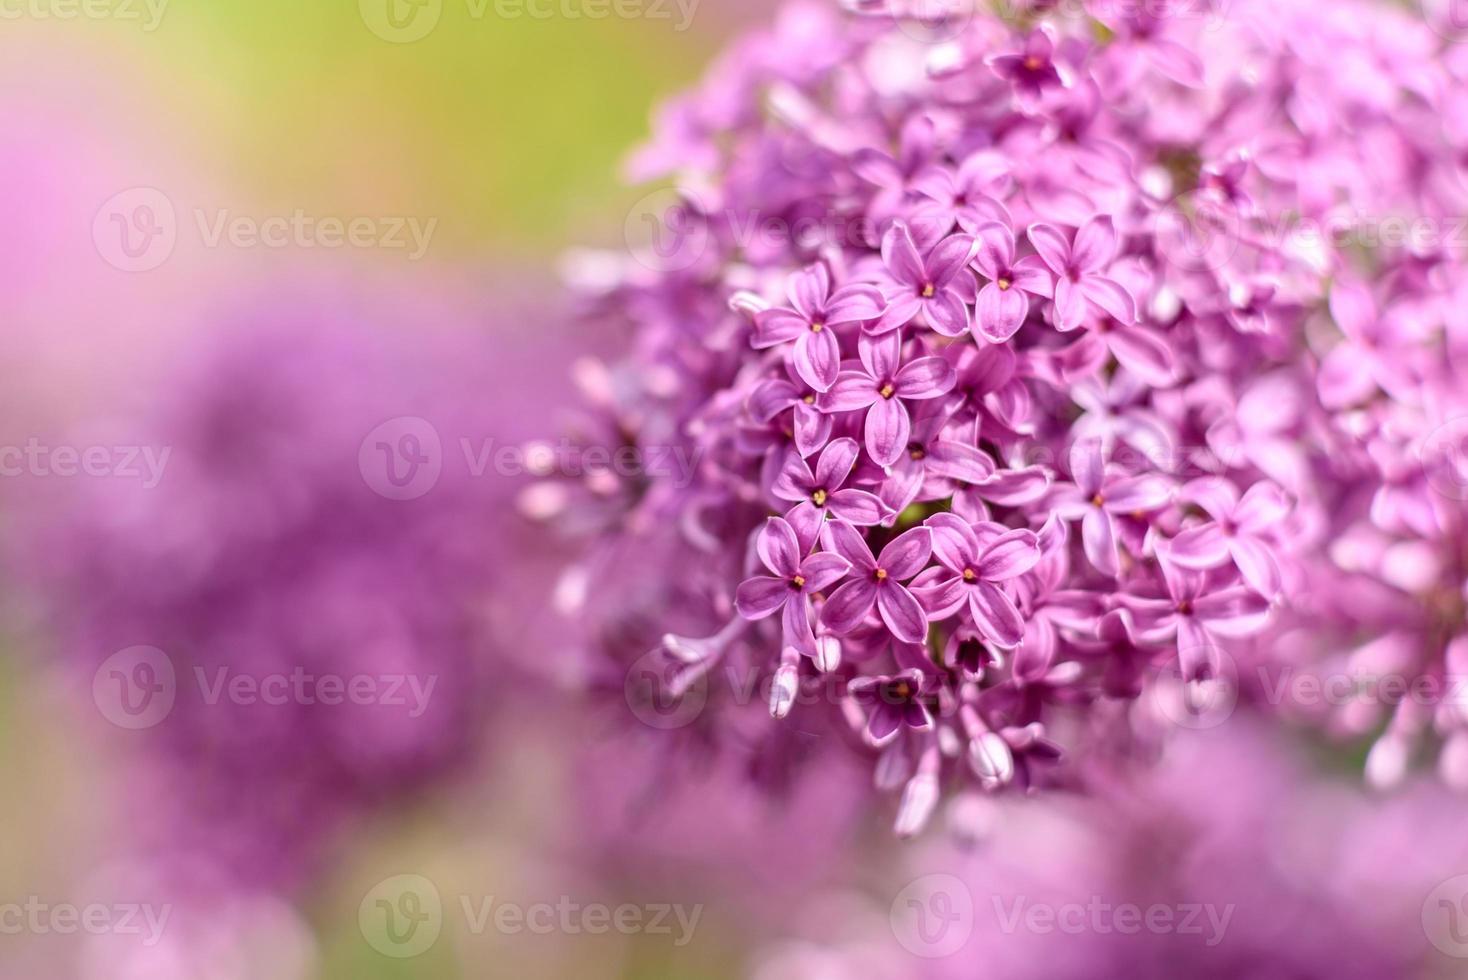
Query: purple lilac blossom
x=268, y=555
x=1201, y=432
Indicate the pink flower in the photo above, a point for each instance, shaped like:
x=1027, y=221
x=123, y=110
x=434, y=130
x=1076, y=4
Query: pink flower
x=1080, y=286
x=810, y=320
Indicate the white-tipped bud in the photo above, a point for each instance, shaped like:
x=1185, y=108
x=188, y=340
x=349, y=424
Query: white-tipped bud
x=893, y=768
x=828, y=654
x=1386, y=763
x=748, y=304
x=782, y=691
x=543, y=501
x=991, y=760
x=919, y=798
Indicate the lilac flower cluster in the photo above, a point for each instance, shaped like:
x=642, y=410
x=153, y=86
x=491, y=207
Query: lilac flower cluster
x=267, y=556
x=1081, y=360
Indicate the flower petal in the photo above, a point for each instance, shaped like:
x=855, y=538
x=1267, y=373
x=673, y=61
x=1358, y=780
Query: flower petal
x=959, y=462
x=947, y=313
x=1052, y=245
x=808, y=291
x=848, y=606
x=847, y=542
x=902, y=613
x=774, y=327
x=1257, y=565
x=1071, y=306
x=880, y=355
x=1143, y=352
x=1095, y=245
x=888, y=428
x=859, y=507
x=995, y=615
x=1137, y=494
x=901, y=257
x=940, y=597
x=995, y=252
x=1263, y=506
x=1111, y=296
x=926, y=377
x=818, y=358
x=907, y=553
x=853, y=390
x=1000, y=312
x=822, y=570
x=760, y=596
x=1009, y=556
x=1204, y=546
x=949, y=257
x=779, y=548
x=855, y=303
x=835, y=464
x=1100, y=542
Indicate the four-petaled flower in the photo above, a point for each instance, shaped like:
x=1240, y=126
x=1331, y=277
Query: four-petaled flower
x=878, y=582
x=1078, y=266
x=1097, y=495
x=824, y=492
x=881, y=385
x=975, y=559
x=813, y=313
x=1238, y=531
x=1004, y=303
x=939, y=286
x=893, y=702
x=796, y=578
x=1031, y=70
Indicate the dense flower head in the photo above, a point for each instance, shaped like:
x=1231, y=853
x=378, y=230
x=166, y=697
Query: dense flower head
x=1033, y=365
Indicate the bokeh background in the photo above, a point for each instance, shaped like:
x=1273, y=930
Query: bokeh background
x=264, y=369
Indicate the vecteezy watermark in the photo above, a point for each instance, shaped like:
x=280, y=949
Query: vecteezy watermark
x=933, y=917
x=148, y=13
x=406, y=21
x=37, y=917
x=404, y=459
x=137, y=230
x=1444, y=458
x=403, y=916
x=138, y=688
x=36, y=459
x=1100, y=917
x=1340, y=688
x=1445, y=917
x=1204, y=229
x=135, y=688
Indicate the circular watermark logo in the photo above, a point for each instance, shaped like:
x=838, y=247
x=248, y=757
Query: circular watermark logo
x=1197, y=704
x=1445, y=917
x=136, y=230
x=1444, y=457
x=933, y=916
x=656, y=698
x=401, y=21
x=932, y=21
x=1197, y=231
x=401, y=916
x=135, y=688
x=402, y=459
x=666, y=231
x=1449, y=18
